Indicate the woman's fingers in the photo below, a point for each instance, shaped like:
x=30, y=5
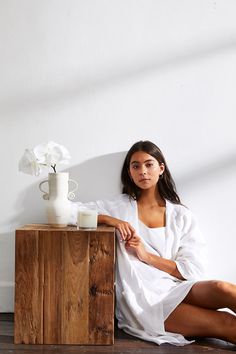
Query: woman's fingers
x=134, y=241
x=126, y=230
x=122, y=231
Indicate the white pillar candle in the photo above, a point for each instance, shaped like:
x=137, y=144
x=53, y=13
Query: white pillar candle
x=87, y=219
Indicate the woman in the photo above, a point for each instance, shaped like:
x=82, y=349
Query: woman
x=160, y=296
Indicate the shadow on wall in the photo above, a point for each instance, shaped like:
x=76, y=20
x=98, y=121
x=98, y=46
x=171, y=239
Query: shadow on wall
x=225, y=165
x=98, y=178
x=23, y=102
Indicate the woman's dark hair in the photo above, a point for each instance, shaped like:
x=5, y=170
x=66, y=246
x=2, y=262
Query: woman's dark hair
x=166, y=185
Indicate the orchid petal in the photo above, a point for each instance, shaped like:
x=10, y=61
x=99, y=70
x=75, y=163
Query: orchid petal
x=29, y=164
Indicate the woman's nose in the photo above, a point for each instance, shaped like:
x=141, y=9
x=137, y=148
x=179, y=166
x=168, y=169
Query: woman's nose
x=143, y=170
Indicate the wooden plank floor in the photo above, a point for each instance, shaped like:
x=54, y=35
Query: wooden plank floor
x=124, y=344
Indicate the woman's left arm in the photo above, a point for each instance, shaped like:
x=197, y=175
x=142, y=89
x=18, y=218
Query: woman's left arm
x=189, y=262
x=166, y=265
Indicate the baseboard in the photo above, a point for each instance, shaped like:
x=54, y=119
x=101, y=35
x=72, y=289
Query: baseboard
x=6, y=296
x=6, y=317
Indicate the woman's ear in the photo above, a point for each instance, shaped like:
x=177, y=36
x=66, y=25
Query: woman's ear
x=162, y=167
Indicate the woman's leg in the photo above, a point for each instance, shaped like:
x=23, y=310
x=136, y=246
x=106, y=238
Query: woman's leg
x=213, y=294
x=194, y=321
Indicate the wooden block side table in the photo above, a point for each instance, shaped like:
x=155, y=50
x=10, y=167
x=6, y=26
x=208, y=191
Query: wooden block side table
x=64, y=285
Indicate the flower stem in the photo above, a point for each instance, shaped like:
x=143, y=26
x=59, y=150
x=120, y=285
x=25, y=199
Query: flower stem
x=54, y=168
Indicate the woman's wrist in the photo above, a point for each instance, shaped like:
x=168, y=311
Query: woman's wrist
x=146, y=258
x=166, y=265
x=125, y=229
x=105, y=219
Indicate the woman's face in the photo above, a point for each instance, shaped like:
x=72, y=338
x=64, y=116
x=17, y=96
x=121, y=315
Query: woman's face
x=145, y=170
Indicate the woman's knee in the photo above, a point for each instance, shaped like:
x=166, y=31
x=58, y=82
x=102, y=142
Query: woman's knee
x=223, y=287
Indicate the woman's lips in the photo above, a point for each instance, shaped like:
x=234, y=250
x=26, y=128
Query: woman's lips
x=144, y=179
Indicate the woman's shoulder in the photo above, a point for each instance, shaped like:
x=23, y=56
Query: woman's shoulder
x=180, y=212
x=117, y=201
x=178, y=208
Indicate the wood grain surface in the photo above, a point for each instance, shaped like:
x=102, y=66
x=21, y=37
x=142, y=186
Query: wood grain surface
x=75, y=288
x=29, y=287
x=64, y=290
x=52, y=305
x=101, y=289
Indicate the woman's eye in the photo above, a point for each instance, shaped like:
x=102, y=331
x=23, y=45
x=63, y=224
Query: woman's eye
x=135, y=167
x=149, y=165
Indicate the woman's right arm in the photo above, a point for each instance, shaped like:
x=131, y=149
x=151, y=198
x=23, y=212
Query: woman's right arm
x=125, y=229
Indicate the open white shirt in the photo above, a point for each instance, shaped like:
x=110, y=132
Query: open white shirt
x=145, y=295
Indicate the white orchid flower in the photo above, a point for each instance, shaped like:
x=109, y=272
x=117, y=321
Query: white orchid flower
x=51, y=154
x=29, y=164
x=46, y=154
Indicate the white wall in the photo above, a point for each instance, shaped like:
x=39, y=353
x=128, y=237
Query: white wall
x=97, y=76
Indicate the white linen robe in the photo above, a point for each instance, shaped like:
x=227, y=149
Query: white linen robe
x=145, y=295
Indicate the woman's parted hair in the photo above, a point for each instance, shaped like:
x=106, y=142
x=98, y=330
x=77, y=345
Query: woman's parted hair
x=166, y=185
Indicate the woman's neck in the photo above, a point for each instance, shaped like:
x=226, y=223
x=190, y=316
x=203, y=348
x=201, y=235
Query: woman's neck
x=151, y=198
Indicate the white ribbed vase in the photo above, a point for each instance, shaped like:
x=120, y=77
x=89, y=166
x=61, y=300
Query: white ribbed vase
x=57, y=198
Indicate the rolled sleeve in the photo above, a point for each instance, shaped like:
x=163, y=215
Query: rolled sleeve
x=191, y=256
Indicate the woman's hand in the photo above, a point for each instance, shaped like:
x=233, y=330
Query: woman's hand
x=125, y=229
x=135, y=244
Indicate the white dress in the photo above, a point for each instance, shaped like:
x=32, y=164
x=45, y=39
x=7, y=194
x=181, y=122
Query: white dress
x=145, y=295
